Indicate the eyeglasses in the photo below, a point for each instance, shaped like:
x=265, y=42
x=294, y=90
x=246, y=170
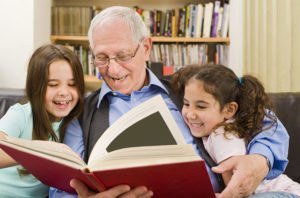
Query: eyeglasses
x=124, y=59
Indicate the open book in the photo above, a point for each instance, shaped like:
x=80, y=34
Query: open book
x=170, y=168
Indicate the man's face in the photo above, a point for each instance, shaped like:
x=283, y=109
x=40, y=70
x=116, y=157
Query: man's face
x=111, y=39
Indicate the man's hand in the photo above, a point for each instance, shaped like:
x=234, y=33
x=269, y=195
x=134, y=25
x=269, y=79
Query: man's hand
x=121, y=191
x=248, y=172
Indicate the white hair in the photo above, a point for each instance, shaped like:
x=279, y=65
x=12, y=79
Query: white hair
x=128, y=15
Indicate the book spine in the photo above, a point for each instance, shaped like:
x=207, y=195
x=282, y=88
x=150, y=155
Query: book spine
x=225, y=20
x=95, y=181
x=207, y=19
x=215, y=18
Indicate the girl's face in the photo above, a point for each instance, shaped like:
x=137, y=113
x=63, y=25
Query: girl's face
x=200, y=110
x=61, y=93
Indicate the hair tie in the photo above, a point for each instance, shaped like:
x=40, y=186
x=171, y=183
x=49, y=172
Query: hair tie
x=240, y=80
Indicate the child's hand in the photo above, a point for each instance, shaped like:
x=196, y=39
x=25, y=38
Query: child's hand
x=2, y=135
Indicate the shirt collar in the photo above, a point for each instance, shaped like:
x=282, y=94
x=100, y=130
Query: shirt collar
x=153, y=81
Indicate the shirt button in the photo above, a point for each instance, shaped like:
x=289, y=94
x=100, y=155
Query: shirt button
x=114, y=93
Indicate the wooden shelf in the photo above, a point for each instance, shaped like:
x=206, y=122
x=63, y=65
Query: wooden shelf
x=55, y=38
x=91, y=83
x=190, y=40
x=162, y=39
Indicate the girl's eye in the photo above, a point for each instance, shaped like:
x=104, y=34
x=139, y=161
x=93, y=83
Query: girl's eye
x=52, y=85
x=201, y=107
x=72, y=84
x=186, y=104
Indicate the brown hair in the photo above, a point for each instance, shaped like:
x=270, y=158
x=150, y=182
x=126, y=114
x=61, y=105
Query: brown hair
x=221, y=82
x=36, y=86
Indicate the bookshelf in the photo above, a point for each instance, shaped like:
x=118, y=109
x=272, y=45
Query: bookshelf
x=156, y=39
x=145, y=5
x=91, y=83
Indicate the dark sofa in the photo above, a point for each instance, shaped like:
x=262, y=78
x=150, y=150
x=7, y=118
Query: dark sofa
x=287, y=109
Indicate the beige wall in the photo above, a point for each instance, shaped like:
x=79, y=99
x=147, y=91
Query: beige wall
x=25, y=25
x=272, y=43
x=295, y=84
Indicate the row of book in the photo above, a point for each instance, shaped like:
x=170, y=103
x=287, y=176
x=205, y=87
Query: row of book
x=72, y=20
x=85, y=56
x=193, y=20
x=186, y=54
x=175, y=56
x=171, y=56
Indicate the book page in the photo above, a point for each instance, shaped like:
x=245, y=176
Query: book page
x=44, y=148
x=143, y=156
x=150, y=123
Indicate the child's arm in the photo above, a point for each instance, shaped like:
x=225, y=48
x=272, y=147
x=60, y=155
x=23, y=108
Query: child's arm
x=5, y=160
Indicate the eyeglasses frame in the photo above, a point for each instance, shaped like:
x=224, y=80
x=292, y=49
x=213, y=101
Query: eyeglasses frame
x=116, y=58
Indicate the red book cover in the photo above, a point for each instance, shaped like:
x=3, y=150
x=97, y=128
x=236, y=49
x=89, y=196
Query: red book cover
x=179, y=179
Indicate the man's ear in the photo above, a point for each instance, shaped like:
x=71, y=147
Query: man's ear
x=147, y=43
x=230, y=109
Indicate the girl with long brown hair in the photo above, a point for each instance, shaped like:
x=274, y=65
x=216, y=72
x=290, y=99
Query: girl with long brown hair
x=55, y=96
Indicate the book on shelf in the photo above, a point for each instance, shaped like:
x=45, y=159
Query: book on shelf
x=192, y=20
x=187, y=17
x=215, y=19
x=219, y=25
x=158, y=158
x=199, y=19
x=158, y=17
x=208, y=13
x=181, y=30
x=146, y=17
x=72, y=20
x=225, y=20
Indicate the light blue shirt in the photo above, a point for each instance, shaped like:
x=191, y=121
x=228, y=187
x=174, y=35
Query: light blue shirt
x=18, y=122
x=272, y=146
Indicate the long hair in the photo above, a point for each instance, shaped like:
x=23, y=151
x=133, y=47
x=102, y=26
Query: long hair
x=36, y=86
x=128, y=15
x=221, y=82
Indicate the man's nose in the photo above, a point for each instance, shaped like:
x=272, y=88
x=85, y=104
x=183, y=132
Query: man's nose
x=114, y=66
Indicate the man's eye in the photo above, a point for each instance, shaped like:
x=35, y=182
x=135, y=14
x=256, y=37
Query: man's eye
x=124, y=57
x=201, y=107
x=101, y=58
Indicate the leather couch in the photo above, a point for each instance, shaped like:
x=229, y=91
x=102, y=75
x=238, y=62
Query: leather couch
x=287, y=109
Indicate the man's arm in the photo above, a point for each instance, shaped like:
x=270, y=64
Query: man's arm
x=267, y=157
x=248, y=172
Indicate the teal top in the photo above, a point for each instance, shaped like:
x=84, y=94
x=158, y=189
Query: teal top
x=17, y=122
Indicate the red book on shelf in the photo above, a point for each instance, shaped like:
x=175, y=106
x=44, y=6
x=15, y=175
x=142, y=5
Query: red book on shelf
x=168, y=70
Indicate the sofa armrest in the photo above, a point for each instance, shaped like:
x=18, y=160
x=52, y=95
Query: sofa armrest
x=287, y=109
x=9, y=97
